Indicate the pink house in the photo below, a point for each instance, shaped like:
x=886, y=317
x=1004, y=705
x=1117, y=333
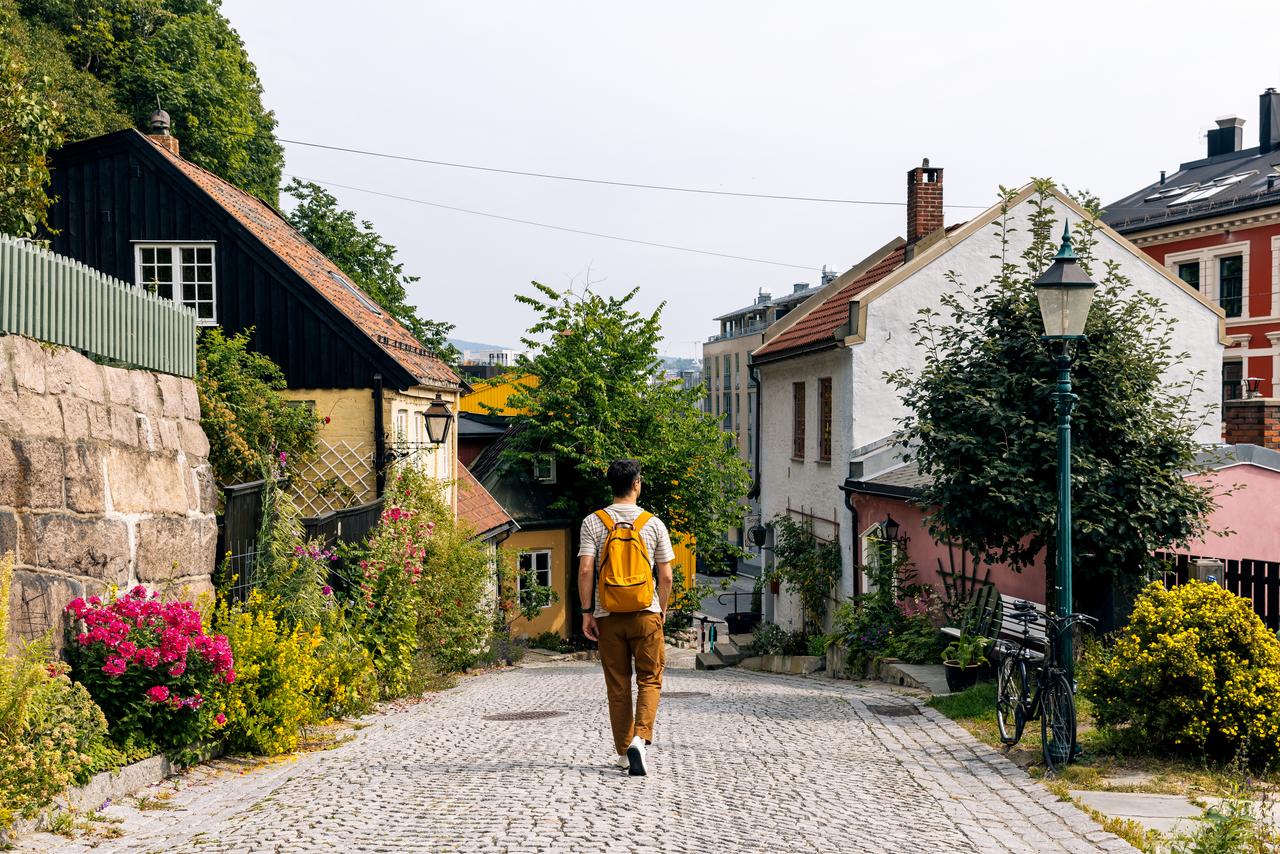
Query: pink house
x=1243, y=529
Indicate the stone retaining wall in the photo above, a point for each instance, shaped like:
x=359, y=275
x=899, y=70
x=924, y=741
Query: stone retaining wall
x=104, y=479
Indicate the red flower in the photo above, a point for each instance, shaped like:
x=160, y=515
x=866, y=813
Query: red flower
x=158, y=693
x=220, y=719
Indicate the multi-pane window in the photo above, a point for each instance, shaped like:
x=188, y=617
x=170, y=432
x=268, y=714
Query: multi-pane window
x=1189, y=272
x=824, y=419
x=1231, y=284
x=544, y=468
x=1232, y=380
x=402, y=425
x=797, y=421
x=181, y=273
x=727, y=410
x=535, y=568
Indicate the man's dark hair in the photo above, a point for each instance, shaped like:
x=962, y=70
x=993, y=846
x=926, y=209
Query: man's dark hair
x=622, y=475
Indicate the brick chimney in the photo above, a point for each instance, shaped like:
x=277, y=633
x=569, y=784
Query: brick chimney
x=1252, y=421
x=159, y=122
x=924, y=202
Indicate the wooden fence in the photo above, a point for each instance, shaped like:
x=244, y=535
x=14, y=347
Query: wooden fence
x=53, y=298
x=1255, y=580
x=242, y=518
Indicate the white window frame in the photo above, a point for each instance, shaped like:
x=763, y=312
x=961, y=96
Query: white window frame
x=1208, y=258
x=550, y=460
x=176, y=246
x=870, y=540
x=402, y=425
x=533, y=555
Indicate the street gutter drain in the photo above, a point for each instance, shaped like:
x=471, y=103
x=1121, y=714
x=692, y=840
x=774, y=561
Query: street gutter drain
x=893, y=711
x=683, y=695
x=524, y=716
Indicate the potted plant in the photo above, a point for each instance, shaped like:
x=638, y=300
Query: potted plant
x=963, y=660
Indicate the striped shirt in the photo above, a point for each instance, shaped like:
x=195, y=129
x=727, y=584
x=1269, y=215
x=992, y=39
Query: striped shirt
x=657, y=542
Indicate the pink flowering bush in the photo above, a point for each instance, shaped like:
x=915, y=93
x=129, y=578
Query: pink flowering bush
x=149, y=665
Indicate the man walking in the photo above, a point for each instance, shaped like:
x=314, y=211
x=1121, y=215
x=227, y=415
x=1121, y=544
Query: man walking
x=624, y=551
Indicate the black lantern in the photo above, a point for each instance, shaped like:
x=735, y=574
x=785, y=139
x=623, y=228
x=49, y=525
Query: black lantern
x=1252, y=383
x=891, y=529
x=1065, y=294
x=758, y=534
x=438, y=417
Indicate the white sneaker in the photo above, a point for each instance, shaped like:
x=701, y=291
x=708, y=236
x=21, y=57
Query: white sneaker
x=635, y=758
x=623, y=761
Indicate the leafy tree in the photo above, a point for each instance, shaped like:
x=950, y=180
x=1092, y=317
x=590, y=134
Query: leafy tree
x=182, y=52
x=367, y=259
x=28, y=128
x=248, y=422
x=983, y=421
x=599, y=397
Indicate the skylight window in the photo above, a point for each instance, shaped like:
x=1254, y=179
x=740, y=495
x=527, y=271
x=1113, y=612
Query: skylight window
x=364, y=300
x=1212, y=188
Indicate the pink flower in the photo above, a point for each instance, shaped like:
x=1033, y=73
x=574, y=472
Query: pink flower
x=158, y=693
x=115, y=666
x=126, y=649
x=220, y=719
x=326, y=591
x=283, y=456
x=95, y=600
x=229, y=677
x=178, y=669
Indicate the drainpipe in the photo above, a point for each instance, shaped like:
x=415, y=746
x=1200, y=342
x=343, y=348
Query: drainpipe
x=855, y=543
x=379, y=440
x=753, y=375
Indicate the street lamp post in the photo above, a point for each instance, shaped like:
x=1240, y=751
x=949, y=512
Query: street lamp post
x=1065, y=294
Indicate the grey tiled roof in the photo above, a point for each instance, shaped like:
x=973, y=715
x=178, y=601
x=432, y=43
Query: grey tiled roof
x=1176, y=200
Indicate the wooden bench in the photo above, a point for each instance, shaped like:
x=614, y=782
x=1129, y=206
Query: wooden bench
x=993, y=615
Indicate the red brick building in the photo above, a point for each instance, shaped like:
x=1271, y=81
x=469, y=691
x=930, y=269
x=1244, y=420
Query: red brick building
x=1215, y=223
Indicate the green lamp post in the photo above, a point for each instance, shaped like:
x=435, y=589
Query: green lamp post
x=1065, y=294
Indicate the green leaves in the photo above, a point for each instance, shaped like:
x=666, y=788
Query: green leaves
x=983, y=421
x=367, y=259
x=600, y=397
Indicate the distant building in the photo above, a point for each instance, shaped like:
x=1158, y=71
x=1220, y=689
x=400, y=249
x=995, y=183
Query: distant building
x=1215, y=224
x=731, y=393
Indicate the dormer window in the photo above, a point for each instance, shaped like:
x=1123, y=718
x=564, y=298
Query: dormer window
x=182, y=272
x=544, y=468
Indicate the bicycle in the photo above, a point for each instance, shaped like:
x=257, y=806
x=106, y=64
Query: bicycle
x=1053, y=701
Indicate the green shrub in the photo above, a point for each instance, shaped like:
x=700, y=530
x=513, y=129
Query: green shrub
x=897, y=618
x=273, y=697
x=767, y=639
x=1195, y=672
x=807, y=567
x=51, y=733
x=548, y=640
x=346, y=682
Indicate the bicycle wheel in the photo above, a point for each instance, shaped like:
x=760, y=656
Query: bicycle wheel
x=1057, y=722
x=1011, y=693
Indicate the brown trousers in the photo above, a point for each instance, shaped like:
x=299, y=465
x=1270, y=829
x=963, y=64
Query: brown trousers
x=627, y=638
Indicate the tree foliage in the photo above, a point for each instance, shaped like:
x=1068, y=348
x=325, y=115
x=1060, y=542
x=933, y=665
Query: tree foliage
x=367, y=259
x=28, y=128
x=599, y=397
x=248, y=422
x=112, y=59
x=983, y=423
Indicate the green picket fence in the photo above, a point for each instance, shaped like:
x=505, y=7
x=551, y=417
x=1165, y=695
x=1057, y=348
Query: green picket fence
x=53, y=298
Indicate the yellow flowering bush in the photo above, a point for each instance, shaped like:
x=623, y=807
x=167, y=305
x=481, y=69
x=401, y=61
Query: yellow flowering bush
x=1195, y=672
x=272, y=698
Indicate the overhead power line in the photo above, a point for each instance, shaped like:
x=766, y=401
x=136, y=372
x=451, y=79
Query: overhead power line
x=608, y=183
x=554, y=227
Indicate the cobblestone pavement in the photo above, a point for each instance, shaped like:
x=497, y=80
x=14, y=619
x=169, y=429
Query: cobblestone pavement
x=760, y=763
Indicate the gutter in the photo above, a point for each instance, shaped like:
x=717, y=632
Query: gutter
x=883, y=490
x=379, y=440
x=753, y=375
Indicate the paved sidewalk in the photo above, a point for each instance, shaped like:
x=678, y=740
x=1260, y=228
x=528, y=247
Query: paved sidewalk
x=760, y=763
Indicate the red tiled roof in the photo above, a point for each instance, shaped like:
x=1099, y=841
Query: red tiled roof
x=476, y=506
x=310, y=263
x=821, y=323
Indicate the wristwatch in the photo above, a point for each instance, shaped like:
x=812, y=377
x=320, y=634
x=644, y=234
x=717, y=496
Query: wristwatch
x=586, y=610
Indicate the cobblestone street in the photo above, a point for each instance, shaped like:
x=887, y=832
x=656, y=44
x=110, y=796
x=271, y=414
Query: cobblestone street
x=758, y=763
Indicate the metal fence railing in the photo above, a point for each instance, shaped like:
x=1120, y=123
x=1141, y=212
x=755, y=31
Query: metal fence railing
x=53, y=298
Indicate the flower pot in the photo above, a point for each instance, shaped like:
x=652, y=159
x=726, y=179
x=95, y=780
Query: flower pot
x=960, y=677
x=775, y=587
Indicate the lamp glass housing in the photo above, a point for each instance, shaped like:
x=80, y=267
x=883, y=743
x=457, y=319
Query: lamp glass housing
x=891, y=529
x=438, y=418
x=1065, y=293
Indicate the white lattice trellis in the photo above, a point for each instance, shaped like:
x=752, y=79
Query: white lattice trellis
x=338, y=475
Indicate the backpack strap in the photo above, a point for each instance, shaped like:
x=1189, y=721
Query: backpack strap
x=603, y=516
x=643, y=519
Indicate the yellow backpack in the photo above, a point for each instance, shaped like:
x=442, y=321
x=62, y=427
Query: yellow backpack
x=626, y=576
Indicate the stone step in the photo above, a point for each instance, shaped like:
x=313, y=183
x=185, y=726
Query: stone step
x=709, y=661
x=729, y=652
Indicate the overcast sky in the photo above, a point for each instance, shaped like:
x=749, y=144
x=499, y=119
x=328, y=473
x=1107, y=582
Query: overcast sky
x=830, y=99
